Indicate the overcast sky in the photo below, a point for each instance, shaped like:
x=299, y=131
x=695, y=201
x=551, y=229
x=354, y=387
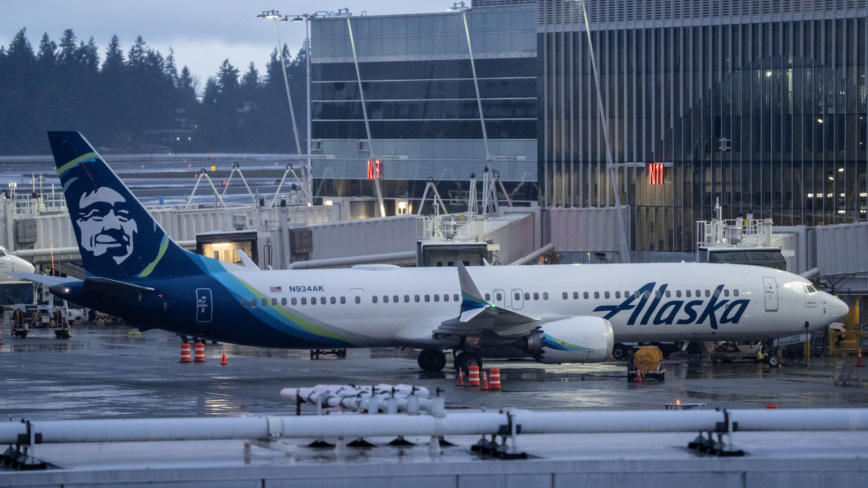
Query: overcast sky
x=202, y=32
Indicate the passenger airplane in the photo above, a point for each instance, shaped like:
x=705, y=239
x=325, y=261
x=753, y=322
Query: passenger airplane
x=555, y=314
x=12, y=264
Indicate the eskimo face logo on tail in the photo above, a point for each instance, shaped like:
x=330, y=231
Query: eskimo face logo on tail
x=104, y=223
x=717, y=309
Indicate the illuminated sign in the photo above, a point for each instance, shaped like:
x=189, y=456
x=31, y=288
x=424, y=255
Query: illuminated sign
x=375, y=171
x=655, y=173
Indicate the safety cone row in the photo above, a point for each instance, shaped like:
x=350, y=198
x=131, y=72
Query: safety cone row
x=494, y=380
x=199, y=356
x=473, y=377
x=859, y=363
x=185, y=352
x=223, y=361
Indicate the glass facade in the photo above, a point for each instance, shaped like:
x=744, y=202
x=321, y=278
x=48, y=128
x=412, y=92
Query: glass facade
x=423, y=115
x=759, y=104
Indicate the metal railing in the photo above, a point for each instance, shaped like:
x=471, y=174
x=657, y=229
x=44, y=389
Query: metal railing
x=465, y=227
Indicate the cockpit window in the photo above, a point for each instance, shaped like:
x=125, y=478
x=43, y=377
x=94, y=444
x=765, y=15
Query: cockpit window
x=803, y=288
x=2, y=252
x=811, y=289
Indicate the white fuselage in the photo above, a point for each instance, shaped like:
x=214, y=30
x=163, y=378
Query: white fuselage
x=643, y=302
x=12, y=264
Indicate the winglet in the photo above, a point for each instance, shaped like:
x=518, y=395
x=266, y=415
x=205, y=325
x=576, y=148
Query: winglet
x=248, y=263
x=471, y=298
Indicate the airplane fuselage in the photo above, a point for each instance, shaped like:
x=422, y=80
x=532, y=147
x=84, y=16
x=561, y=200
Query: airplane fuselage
x=388, y=306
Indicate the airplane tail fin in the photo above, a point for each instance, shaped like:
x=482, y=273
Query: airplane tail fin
x=117, y=237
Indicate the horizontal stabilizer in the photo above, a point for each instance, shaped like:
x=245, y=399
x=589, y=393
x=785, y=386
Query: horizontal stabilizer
x=44, y=279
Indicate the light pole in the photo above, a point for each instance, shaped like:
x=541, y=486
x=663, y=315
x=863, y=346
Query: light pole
x=274, y=15
x=306, y=18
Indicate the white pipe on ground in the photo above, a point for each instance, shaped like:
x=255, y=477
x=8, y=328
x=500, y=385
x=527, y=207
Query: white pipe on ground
x=475, y=423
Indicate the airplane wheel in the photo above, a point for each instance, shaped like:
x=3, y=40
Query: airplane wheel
x=467, y=359
x=619, y=352
x=774, y=361
x=432, y=360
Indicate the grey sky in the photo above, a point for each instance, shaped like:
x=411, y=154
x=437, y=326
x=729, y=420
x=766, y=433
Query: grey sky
x=202, y=32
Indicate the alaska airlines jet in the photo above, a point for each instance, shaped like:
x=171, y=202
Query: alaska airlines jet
x=555, y=314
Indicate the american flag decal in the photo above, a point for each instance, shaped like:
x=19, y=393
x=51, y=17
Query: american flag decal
x=275, y=289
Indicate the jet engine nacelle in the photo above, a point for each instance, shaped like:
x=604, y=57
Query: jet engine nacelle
x=574, y=340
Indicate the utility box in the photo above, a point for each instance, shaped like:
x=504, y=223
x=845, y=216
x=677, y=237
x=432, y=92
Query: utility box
x=446, y=254
x=301, y=240
x=26, y=231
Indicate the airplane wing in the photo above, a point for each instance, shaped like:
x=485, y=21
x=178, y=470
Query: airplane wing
x=478, y=315
x=44, y=279
x=248, y=263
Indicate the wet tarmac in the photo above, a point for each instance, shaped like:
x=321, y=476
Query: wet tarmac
x=105, y=372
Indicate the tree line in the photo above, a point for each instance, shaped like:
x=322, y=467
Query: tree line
x=138, y=100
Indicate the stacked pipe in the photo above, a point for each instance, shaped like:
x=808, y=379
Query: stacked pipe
x=372, y=399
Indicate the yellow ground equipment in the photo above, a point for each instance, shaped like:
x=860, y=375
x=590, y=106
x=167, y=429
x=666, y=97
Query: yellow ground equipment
x=647, y=362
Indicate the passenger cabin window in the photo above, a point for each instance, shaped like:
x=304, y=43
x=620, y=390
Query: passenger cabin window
x=358, y=299
x=283, y=301
x=394, y=298
x=677, y=293
x=535, y=296
x=499, y=297
x=636, y=294
x=274, y=301
x=606, y=294
x=304, y=300
x=575, y=295
x=254, y=302
x=687, y=293
x=526, y=296
x=445, y=297
x=545, y=296
x=617, y=294
x=565, y=295
x=716, y=292
x=436, y=298
x=596, y=294
x=585, y=295
x=334, y=300
x=707, y=293
x=698, y=293
x=294, y=301
x=385, y=298
x=427, y=298
x=647, y=294
x=343, y=300
x=668, y=294
x=517, y=296
x=264, y=302
x=313, y=301
x=416, y=298
x=726, y=293
x=488, y=297
x=735, y=292
x=373, y=299
x=243, y=302
x=657, y=294
x=455, y=297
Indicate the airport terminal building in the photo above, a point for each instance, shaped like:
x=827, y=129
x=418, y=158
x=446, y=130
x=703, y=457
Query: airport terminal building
x=759, y=104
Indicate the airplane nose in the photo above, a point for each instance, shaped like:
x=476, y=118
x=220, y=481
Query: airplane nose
x=838, y=309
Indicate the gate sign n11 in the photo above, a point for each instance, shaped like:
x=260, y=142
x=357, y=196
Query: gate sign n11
x=655, y=173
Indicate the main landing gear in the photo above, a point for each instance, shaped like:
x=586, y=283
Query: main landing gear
x=432, y=360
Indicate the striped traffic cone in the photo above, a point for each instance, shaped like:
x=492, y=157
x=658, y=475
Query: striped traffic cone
x=223, y=361
x=473, y=377
x=459, y=380
x=495, y=379
x=199, y=356
x=484, y=381
x=185, y=352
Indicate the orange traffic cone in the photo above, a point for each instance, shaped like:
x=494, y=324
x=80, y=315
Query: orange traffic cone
x=223, y=361
x=859, y=359
x=495, y=379
x=473, y=376
x=459, y=380
x=185, y=352
x=771, y=406
x=199, y=356
x=638, y=377
x=484, y=381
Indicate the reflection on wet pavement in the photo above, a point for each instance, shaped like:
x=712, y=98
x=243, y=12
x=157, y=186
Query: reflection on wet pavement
x=103, y=372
